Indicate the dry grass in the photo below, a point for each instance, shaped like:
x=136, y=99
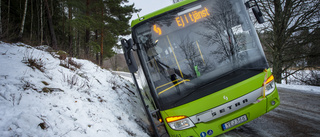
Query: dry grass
x=33, y=62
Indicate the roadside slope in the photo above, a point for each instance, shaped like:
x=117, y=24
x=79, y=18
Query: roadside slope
x=41, y=95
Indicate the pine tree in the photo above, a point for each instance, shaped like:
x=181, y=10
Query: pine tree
x=83, y=28
x=112, y=21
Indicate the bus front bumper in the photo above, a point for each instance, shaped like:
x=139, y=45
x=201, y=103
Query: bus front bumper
x=230, y=121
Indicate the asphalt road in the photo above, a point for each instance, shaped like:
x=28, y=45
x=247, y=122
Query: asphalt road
x=298, y=115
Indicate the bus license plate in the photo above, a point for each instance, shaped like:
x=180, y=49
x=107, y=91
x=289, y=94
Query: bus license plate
x=234, y=122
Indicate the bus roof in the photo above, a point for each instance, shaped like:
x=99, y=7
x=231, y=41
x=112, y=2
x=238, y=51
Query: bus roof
x=158, y=12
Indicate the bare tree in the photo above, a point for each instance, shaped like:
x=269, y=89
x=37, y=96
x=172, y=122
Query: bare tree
x=286, y=20
x=23, y=20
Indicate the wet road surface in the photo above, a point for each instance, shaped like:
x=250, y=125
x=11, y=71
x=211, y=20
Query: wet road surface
x=298, y=115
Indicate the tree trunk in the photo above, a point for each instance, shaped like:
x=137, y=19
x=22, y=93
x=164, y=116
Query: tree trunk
x=70, y=32
x=8, y=24
x=79, y=46
x=0, y=22
x=277, y=66
x=87, y=35
x=51, y=29
x=116, y=62
x=279, y=31
x=31, y=20
x=97, y=53
x=101, y=49
x=97, y=58
x=51, y=4
x=23, y=20
x=101, y=45
x=41, y=22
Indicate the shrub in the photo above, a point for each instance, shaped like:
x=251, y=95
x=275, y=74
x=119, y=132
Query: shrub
x=62, y=54
x=70, y=64
x=73, y=63
x=34, y=63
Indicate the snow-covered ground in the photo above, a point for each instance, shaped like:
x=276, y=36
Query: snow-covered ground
x=41, y=95
x=301, y=88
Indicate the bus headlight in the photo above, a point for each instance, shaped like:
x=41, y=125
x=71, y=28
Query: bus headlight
x=270, y=85
x=179, y=122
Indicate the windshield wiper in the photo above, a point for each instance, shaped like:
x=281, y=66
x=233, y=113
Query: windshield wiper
x=195, y=89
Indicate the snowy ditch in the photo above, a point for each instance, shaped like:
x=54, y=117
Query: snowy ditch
x=41, y=95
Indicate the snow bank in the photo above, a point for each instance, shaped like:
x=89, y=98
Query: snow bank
x=301, y=88
x=58, y=98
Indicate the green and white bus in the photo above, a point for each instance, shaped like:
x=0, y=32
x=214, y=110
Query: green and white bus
x=201, y=66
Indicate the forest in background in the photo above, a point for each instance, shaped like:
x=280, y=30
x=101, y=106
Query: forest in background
x=86, y=29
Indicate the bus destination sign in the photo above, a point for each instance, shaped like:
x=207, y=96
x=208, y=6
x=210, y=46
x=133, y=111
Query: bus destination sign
x=191, y=17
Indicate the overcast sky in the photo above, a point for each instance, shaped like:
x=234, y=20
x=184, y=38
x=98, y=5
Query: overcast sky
x=148, y=6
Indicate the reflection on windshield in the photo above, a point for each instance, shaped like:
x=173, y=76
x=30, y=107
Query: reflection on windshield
x=186, y=56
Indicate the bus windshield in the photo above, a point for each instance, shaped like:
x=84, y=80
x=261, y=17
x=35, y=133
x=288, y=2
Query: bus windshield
x=198, y=49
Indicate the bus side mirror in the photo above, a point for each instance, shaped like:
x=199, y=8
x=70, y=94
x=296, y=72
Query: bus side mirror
x=255, y=9
x=128, y=55
x=258, y=14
